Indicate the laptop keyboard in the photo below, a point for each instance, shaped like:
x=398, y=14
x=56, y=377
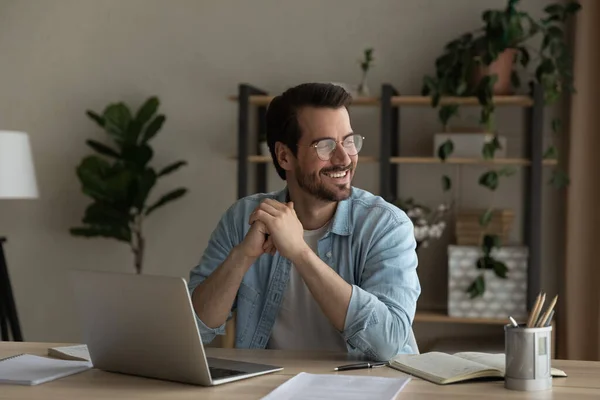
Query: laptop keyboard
x=217, y=373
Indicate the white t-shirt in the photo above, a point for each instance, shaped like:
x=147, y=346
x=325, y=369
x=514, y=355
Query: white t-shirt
x=301, y=324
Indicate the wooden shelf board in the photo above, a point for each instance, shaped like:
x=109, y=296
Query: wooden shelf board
x=441, y=317
x=523, y=101
x=267, y=159
x=425, y=160
x=478, y=161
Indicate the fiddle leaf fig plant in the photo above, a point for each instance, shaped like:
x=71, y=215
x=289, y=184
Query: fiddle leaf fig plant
x=119, y=178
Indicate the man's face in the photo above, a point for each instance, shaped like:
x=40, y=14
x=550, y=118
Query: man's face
x=327, y=176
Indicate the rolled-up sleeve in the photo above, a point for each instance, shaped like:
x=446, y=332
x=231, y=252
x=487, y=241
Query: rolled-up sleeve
x=220, y=244
x=382, y=306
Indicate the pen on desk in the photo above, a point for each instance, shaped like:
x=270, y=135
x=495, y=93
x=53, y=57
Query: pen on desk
x=360, y=366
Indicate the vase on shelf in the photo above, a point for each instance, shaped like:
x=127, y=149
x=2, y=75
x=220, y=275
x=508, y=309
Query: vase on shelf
x=363, y=88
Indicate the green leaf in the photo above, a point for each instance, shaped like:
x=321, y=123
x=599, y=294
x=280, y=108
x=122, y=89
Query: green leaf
x=554, y=9
x=171, y=196
x=555, y=32
x=488, y=151
x=445, y=149
x=489, y=242
x=117, y=117
x=545, y=68
x=559, y=179
x=91, y=173
x=147, y=110
x=170, y=168
x=524, y=56
x=446, y=113
x=551, y=153
x=122, y=233
x=99, y=213
x=118, y=185
x=102, y=148
x=572, y=7
x=138, y=155
x=95, y=117
x=500, y=269
x=477, y=288
x=489, y=180
x=446, y=183
x=486, y=217
x=143, y=185
x=153, y=128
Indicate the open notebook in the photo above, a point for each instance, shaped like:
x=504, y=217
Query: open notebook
x=27, y=369
x=442, y=368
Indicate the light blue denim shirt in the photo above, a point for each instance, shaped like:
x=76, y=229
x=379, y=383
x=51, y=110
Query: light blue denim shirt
x=370, y=244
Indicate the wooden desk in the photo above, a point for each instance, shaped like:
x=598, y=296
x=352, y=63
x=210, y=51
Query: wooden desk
x=583, y=381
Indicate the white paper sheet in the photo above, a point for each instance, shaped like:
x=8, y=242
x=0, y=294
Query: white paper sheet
x=343, y=387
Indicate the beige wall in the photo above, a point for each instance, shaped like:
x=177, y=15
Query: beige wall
x=62, y=57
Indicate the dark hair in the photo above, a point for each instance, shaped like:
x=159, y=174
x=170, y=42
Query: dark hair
x=282, y=121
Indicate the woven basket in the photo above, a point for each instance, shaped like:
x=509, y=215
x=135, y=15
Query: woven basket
x=470, y=233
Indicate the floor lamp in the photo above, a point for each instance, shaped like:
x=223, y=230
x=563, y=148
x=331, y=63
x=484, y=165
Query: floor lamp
x=17, y=181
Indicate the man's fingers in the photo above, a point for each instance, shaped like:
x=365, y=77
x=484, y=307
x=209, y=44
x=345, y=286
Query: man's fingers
x=261, y=215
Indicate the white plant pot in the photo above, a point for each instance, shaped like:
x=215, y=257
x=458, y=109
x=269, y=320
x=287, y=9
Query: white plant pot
x=502, y=297
x=264, y=149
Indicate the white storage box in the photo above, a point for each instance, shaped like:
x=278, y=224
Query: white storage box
x=468, y=145
x=502, y=297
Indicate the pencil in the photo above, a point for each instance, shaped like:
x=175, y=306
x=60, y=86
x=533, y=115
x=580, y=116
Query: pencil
x=536, y=310
x=544, y=318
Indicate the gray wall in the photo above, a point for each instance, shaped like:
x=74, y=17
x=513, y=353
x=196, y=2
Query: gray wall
x=62, y=57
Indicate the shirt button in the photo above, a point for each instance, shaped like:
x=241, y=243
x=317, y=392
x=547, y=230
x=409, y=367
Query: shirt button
x=328, y=255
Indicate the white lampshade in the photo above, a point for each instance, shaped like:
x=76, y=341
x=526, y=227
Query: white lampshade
x=17, y=174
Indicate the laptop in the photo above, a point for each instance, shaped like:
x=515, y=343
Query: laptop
x=145, y=325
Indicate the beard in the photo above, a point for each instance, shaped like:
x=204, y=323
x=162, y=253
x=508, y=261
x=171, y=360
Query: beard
x=312, y=184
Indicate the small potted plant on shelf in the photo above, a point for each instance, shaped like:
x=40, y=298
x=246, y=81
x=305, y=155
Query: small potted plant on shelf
x=429, y=224
x=365, y=65
x=492, y=60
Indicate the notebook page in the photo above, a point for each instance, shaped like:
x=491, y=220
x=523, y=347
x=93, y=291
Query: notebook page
x=332, y=387
x=496, y=361
x=27, y=369
x=440, y=366
x=77, y=352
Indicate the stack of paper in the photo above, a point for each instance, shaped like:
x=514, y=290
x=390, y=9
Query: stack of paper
x=344, y=387
x=27, y=369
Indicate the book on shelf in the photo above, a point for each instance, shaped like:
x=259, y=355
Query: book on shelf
x=443, y=368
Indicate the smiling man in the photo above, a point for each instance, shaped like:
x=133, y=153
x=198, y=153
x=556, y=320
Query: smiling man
x=320, y=265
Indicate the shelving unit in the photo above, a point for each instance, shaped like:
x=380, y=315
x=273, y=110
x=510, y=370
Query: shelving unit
x=389, y=160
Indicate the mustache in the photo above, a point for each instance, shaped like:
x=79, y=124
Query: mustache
x=338, y=168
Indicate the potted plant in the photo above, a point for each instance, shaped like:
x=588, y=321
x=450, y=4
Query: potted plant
x=365, y=65
x=490, y=61
x=119, y=178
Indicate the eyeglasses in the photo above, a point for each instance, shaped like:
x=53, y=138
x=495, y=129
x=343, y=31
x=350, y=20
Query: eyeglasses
x=326, y=147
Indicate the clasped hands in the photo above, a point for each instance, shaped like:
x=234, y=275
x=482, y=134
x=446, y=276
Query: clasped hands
x=275, y=227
